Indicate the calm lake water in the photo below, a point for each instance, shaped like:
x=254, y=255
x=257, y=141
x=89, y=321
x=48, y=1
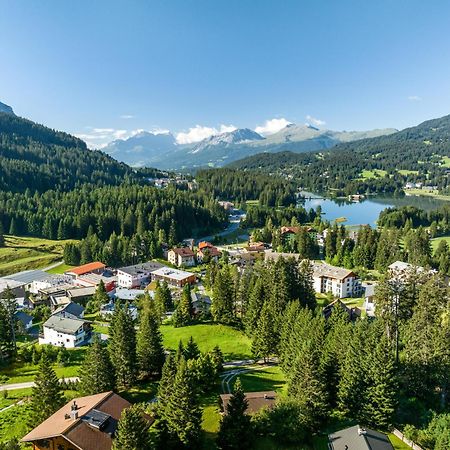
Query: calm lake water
x=366, y=211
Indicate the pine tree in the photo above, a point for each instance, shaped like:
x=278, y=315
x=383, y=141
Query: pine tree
x=183, y=313
x=183, y=414
x=235, y=430
x=165, y=386
x=265, y=339
x=149, y=347
x=381, y=396
x=307, y=387
x=2, y=237
x=222, y=297
x=255, y=304
x=47, y=394
x=132, y=431
x=122, y=347
x=191, y=351
x=96, y=372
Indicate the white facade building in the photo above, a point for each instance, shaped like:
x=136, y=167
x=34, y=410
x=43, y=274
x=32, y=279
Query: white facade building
x=340, y=282
x=134, y=276
x=64, y=331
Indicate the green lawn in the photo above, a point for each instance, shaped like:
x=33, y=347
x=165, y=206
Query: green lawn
x=408, y=172
x=14, y=422
x=425, y=193
x=13, y=396
x=267, y=379
x=375, y=173
x=60, y=269
x=435, y=241
x=24, y=253
x=397, y=443
x=19, y=372
x=233, y=343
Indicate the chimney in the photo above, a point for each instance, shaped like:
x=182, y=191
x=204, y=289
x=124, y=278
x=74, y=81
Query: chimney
x=74, y=411
x=361, y=431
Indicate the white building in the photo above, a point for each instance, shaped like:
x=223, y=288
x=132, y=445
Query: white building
x=65, y=331
x=340, y=282
x=183, y=256
x=174, y=277
x=134, y=276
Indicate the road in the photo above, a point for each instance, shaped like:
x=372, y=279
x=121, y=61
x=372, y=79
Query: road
x=232, y=226
x=27, y=384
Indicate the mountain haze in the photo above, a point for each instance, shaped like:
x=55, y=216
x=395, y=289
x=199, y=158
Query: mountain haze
x=221, y=149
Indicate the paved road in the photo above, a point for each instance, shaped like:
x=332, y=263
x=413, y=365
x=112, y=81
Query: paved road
x=27, y=384
x=52, y=266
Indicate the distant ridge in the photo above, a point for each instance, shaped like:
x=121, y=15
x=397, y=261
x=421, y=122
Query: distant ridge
x=4, y=108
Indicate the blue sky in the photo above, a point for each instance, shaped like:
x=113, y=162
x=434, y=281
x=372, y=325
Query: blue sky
x=103, y=69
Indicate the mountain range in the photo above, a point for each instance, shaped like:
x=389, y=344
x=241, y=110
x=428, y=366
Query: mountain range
x=6, y=109
x=163, y=151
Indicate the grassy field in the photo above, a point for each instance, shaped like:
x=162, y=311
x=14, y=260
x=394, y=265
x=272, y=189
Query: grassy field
x=20, y=373
x=60, y=269
x=233, y=343
x=24, y=253
x=267, y=379
x=408, y=172
x=425, y=193
x=375, y=173
x=13, y=397
x=435, y=241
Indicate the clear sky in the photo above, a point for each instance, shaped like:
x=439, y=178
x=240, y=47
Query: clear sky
x=104, y=68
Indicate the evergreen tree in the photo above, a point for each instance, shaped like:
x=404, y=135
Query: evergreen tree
x=265, y=339
x=149, y=347
x=8, y=307
x=47, y=394
x=96, y=372
x=122, y=347
x=2, y=237
x=132, y=431
x=183, y=414
x=222, y=297
x=255, y=304
x=235, y=430
x=183, y=313
x=307, y=387
x=168, y=374
x=191, y=351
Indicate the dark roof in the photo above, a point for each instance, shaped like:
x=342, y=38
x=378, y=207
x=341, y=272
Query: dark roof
x=23, y=317
x=137, y=269
x=256, y=400
x=358, y=438
x=183, y=251
x=72, y=308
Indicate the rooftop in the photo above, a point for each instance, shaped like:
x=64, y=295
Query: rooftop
x=86, y=268
x=136, y=269
x=64, y=324
x=27, y=276
x=81, y=291
x=92, y=428
x=358, y=438
x=321, y=269
x=175, y=274
x=72, y=308
x=256, y=400
x=183, y=251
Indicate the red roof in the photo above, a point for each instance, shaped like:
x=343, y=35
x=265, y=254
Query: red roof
x=183, y=251
x=211, y=251
x=86, y=268
x=290, y=230
x=205, y=244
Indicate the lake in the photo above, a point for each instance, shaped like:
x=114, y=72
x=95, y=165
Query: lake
x=366, y=211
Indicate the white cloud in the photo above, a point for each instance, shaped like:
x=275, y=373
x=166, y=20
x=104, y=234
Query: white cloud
x=100, y=137
x=272, y=126
x=199, y=132
x=414, y=98
x=313, y=121
x=126, y=116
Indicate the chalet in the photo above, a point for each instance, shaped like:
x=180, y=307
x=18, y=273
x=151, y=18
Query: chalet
x=70, y=333
x=181, y=256
x=207, y=251
x=135, y=276
x=174, y=277
x=255, y=248
x=340, y=282
x=369, y=298
x=201, y=304
x=85, y=423
x=71, y=310
x=255, y=401
x=93, y=267
x=359, y=438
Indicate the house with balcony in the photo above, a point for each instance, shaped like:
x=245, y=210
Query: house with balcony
x=66, y=331
x=339, y=281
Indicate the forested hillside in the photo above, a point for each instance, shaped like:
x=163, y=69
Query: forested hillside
x=238, y=186
x=38, y=158
x=381, y=164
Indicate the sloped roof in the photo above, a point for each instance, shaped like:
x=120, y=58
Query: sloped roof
x=183, y=251
x=327, y=270
x=86, y=268
x=359, y=438
x=64, y=324
x=71, y=308
x=80, y=432
x=27, y=276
